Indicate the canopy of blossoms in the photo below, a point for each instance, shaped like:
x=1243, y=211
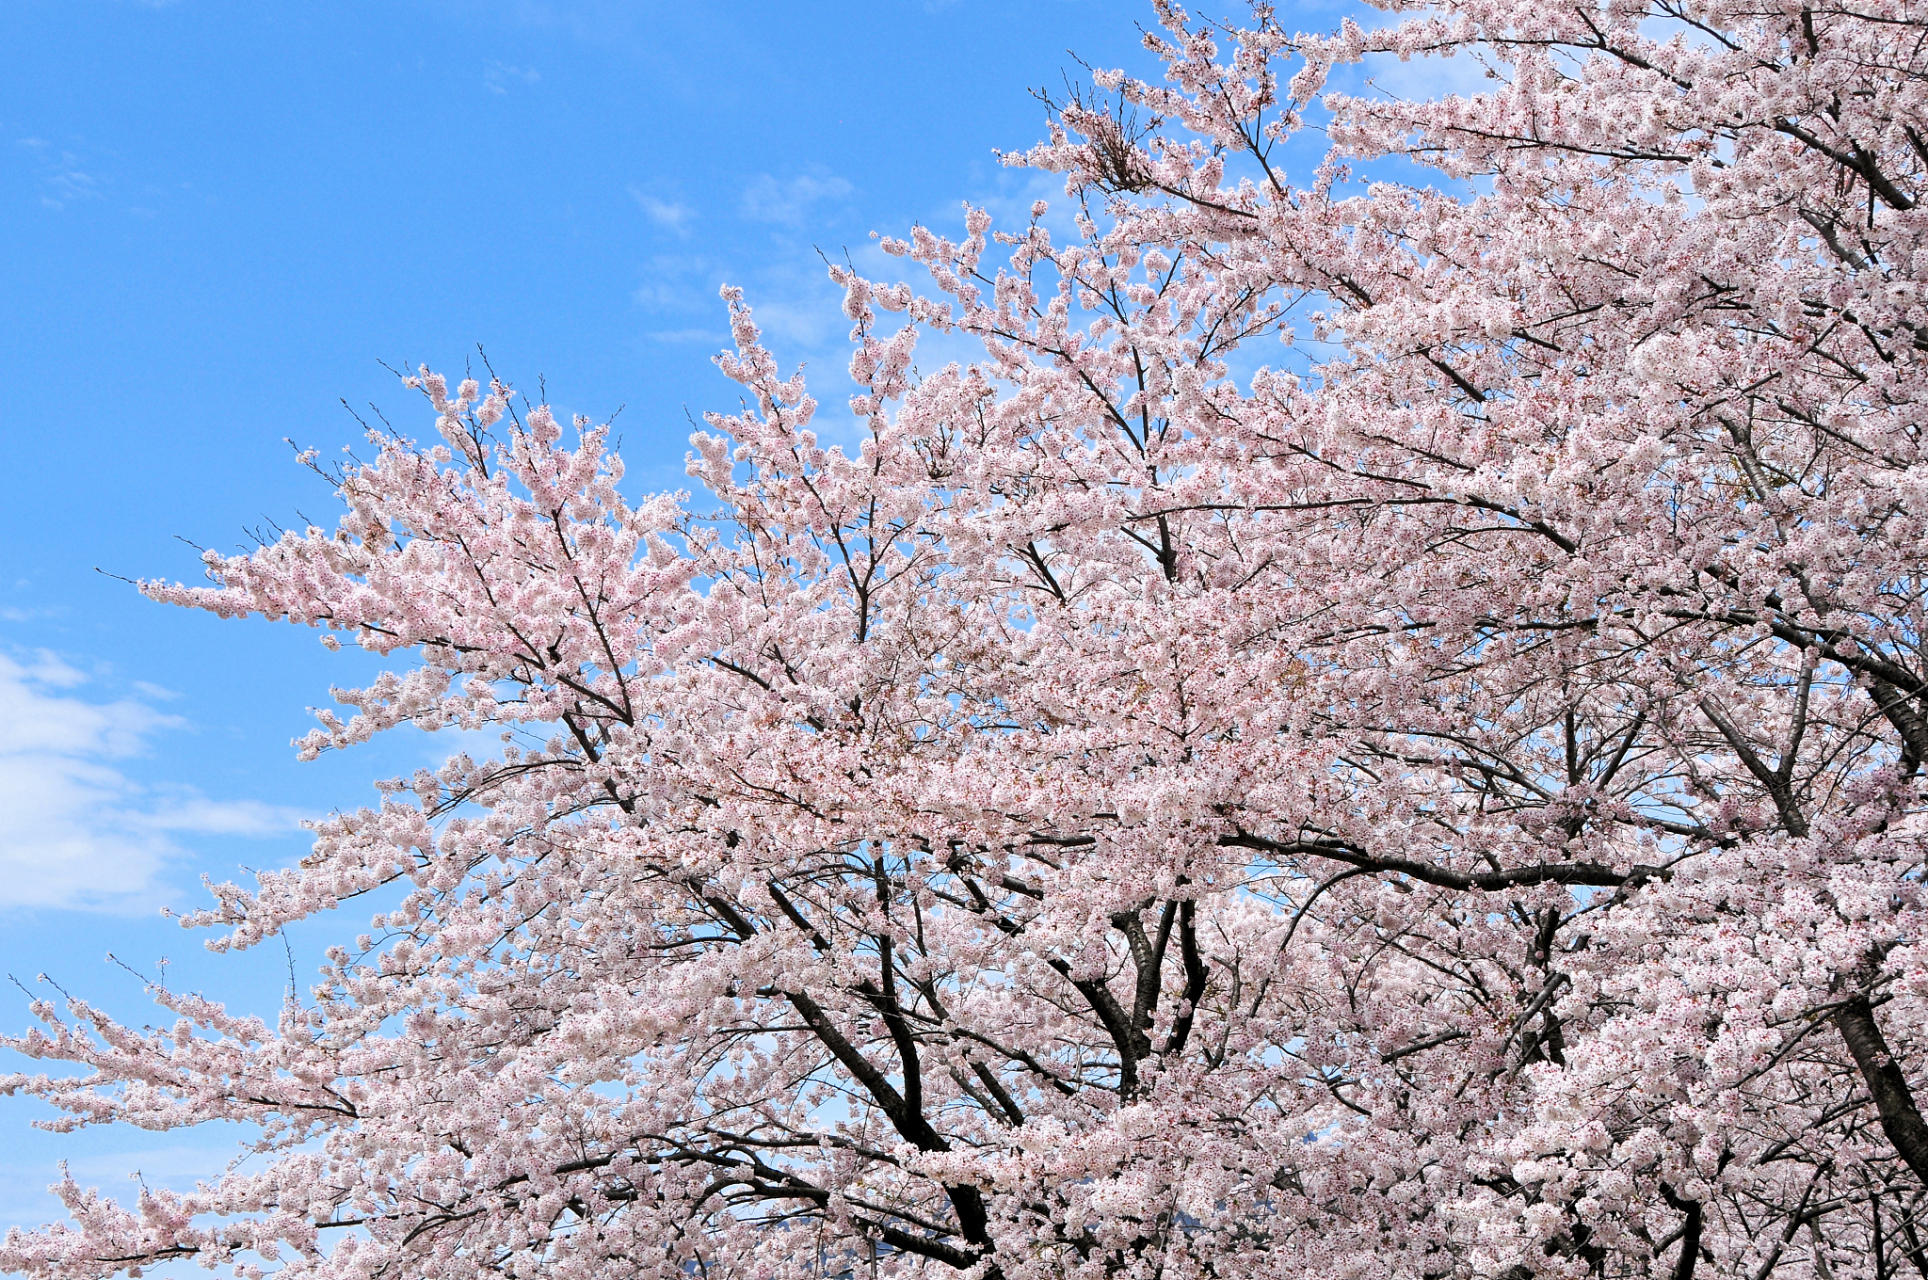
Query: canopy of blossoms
x=1452, y=811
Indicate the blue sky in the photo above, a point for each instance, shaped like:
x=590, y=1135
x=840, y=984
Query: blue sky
x=221, y=215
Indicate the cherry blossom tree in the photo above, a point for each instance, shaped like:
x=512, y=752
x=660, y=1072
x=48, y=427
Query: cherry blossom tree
x=1116, y=807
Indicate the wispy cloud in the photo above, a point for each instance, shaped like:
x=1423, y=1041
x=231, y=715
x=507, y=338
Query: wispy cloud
x=62, y=179
x=501, y=77
x=670, y=214
x=75, y=831
x=678, y=282
x=790, y=200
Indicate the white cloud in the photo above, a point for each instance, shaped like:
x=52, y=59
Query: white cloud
x=769, y=199
x=68, y=184
x=1422, y=79
x=669, y=214
x=803, y=325
x=501, y=76
x=75, y=831
x=62, y=179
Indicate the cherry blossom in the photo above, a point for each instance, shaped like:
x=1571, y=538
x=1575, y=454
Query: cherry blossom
x=1450, y=806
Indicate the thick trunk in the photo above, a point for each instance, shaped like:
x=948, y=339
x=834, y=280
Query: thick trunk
x=1893, y=1099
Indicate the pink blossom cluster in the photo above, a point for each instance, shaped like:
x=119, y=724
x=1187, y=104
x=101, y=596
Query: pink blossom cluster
x=1453, y=811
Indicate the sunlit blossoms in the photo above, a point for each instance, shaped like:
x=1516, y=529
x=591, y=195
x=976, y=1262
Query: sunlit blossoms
x=1452, y=808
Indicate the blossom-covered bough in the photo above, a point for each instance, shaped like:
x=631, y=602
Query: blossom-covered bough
x=1453, y=813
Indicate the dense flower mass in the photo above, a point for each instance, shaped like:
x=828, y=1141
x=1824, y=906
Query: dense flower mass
x=1453, y=812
